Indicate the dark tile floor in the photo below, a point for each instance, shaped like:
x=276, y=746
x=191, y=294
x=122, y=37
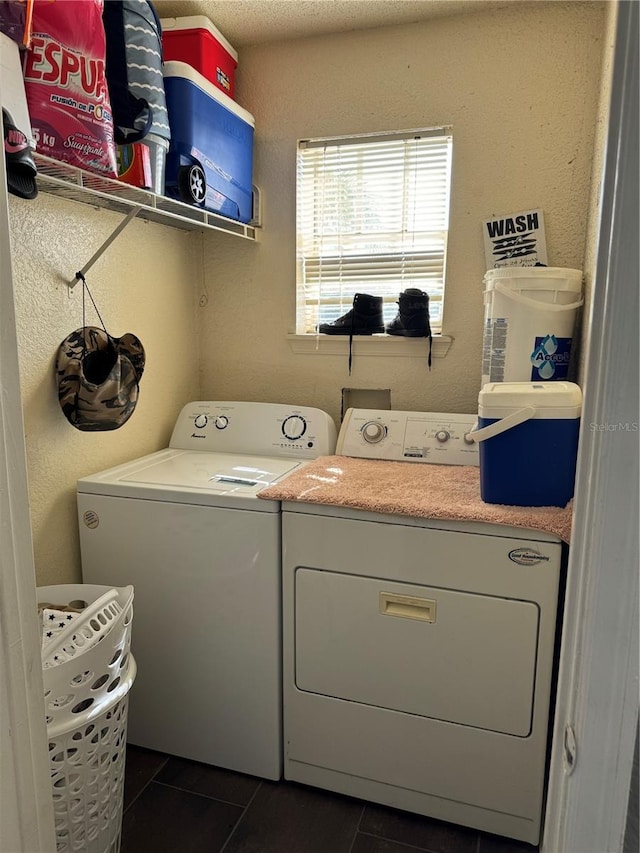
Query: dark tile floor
x=177, y=806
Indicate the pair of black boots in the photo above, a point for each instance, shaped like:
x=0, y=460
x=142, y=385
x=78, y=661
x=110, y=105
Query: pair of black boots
x=365, y=317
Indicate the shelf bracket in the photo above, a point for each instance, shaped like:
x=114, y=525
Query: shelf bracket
x=79, y=275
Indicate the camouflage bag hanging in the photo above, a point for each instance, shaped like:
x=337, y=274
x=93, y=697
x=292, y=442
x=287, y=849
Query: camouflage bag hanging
x=98, y=375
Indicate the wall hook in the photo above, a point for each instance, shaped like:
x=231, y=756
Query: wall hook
x=79, y=275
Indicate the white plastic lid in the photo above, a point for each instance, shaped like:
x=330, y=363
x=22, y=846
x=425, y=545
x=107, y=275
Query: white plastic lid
x=181, y=69
x=533, y=272
x=542, y=395
x=198, y=22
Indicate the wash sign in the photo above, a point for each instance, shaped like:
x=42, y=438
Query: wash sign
x=516, y=240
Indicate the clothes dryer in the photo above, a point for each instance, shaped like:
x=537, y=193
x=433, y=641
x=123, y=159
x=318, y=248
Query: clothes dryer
x=184, y=526
x=418, y=654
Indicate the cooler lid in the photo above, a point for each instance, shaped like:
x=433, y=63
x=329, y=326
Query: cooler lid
x=186, y=72
x=542, y=395
x=197, y=22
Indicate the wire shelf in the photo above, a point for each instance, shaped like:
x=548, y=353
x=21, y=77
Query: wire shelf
x=65, y=181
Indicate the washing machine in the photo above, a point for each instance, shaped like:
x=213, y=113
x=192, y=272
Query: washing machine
x=419, y=654
x=184, y=526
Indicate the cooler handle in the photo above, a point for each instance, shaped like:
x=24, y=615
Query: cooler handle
x=512, y=420
x=533, y=303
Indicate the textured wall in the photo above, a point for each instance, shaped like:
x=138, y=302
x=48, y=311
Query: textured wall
x=520, y=88
x=600, y=132
x=144, y=284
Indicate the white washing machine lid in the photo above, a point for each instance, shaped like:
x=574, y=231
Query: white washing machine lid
x=184, y=476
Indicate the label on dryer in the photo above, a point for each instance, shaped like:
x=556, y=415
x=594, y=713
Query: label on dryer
x=527, y=557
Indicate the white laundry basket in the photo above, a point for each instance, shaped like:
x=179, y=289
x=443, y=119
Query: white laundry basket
x=88, y=671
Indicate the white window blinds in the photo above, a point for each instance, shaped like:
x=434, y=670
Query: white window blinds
x=372, y=217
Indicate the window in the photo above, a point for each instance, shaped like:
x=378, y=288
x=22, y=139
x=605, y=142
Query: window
x=372, y=217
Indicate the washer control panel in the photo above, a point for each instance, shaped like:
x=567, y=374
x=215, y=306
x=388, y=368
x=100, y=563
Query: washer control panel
x=260, y=429
x=433, y=437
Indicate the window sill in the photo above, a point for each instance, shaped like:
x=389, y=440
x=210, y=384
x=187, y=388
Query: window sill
x=374, y=345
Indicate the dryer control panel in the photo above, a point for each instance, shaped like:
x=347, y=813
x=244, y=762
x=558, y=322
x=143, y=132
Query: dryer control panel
x=259, y=429
x=432, y=437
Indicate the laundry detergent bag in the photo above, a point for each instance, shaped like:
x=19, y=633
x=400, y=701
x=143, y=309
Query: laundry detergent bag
x=67, y=93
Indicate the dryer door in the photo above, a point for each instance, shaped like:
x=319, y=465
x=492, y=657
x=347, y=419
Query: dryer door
x=445, y=654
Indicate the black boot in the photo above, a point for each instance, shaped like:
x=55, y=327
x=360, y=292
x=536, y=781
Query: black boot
x=412, y=319
x=365, y=318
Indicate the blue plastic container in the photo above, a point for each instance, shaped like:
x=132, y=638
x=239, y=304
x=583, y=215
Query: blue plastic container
x=528, y=436
x=210, y=160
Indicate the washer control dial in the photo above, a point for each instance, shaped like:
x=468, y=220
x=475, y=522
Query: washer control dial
x=443, y=436
x=200, y=421
x=373, y=432
x=294, y=427
x=221, y=421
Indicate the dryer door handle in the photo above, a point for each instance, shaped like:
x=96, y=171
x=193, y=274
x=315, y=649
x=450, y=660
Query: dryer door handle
x=407, y=607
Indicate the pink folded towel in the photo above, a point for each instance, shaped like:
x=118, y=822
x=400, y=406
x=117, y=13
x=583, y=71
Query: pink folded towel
x=404, y=488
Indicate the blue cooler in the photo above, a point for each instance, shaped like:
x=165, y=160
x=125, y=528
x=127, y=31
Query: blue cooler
x=210, y=160
x=528, y=436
